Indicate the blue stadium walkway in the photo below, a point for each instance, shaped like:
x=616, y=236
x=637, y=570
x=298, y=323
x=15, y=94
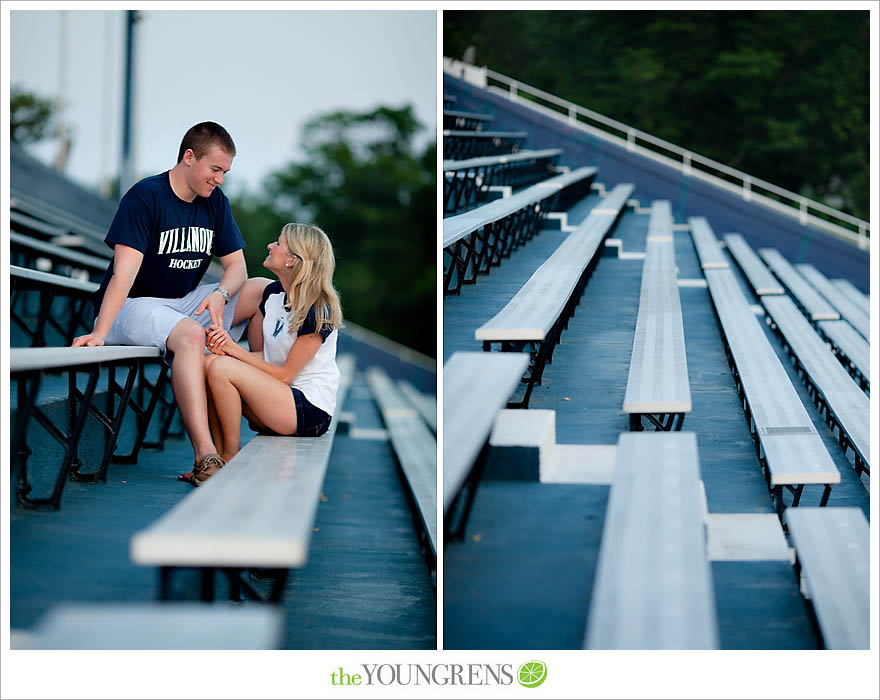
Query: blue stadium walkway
x=366, y=584
x=523, y=576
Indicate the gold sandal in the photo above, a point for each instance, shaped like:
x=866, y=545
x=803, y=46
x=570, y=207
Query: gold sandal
x=206, y=467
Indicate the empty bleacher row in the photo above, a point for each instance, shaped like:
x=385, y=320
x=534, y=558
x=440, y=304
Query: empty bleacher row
x=602, y=313
x=92, y=416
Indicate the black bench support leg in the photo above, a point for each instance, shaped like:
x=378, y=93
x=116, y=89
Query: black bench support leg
x=165, y=583
x=278, y=585
x=207, y=590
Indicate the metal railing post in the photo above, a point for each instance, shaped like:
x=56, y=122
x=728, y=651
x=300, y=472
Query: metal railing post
x=630, y=140
x=803, y=215
x=513, y=89
x=572, y=114
x=747, y=188
x=686, y=163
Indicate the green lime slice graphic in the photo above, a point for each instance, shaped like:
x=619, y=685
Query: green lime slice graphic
x=532, y=673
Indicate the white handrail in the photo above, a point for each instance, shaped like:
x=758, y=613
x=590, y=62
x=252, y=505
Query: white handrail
x=689, y=161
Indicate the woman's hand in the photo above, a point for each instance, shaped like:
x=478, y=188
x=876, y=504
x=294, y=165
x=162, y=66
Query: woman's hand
x=219, y=342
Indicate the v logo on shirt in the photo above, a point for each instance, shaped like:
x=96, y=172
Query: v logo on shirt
x=278, y=326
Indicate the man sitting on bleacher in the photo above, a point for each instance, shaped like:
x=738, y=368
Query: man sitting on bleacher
x=164, y=234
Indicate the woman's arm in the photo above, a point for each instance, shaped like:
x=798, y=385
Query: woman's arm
x=303, y=350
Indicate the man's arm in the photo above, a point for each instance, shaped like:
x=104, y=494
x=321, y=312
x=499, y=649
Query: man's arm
x=126, y=264
x=234, y=277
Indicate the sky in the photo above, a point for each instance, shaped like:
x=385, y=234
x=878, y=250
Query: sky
x=261, y=74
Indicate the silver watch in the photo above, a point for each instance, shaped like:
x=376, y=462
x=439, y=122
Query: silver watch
x=223, y=293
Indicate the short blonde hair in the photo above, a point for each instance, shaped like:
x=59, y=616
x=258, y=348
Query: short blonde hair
x=312, y=283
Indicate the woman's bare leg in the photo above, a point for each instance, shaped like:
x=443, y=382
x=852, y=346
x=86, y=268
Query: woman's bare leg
x=213, y=420
x=271, y=401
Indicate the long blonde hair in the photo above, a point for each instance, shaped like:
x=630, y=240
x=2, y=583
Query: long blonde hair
x=312, y=283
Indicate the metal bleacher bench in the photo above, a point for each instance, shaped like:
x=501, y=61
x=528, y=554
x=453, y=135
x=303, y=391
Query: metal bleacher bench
x=850, y=347
x=31, y=249
x=756, y=272
x=832, y=546
x=657, y=386
x=476, y=386
x=789, y=447
x=459, y=144
x=456, y=119
x=814, y=306
x=478, y=239
x=845, y=405
x=50, y=287
x=53, y=225
x=27, y=368
x=849, y=310
x=425, y=404
x=416, y=449
x=710, y=253
x=158, y=626
x=653, y=587
x=256, y=512
x=854, y=294
x=466, y=180
x=535, y=316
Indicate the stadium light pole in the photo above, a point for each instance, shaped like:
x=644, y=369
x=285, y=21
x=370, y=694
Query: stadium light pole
x=125, y=166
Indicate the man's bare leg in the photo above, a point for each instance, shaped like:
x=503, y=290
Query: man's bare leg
x=213, y=420
x=248, y=305
x=187, y=342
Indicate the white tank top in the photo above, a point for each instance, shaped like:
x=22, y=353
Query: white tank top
x=319, y=379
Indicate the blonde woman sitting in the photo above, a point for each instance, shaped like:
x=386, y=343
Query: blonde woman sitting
x=287, y=384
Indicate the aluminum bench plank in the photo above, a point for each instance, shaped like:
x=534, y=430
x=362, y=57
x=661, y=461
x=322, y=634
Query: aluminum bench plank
x=794, y=450
x=469, y=115
x=476, y=385
x=756, y=272
x=853, y=293
x=849, y=342
x=36, y=277
x=425, y=404
x=160, y=626
x=816, y=308
x=486, y=134
x=452, y=165
x=832, y=546
x=414, y=444
x=56, y=252
x=458, y=226
x=848, y=309
x=711, y=255
x=653, y=587
x=258, y=511
x=849, y=404
x=44, y=211
x=533, y=310
x=658, y=376
x=31, y=359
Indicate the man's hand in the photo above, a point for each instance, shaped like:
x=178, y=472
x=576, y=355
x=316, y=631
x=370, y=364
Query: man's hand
x=216, y=306
x=92, y=340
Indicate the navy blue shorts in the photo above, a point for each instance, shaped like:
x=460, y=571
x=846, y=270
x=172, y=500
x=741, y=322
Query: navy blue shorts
x=311, y=421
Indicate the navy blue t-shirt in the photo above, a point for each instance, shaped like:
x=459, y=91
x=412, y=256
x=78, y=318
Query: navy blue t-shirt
x=177, y=238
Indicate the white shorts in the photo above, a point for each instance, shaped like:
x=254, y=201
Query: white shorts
x=149, y=320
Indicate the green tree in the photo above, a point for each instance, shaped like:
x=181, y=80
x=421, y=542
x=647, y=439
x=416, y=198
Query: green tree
x=363, y=182
x=782, y=95
x=30, y=116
